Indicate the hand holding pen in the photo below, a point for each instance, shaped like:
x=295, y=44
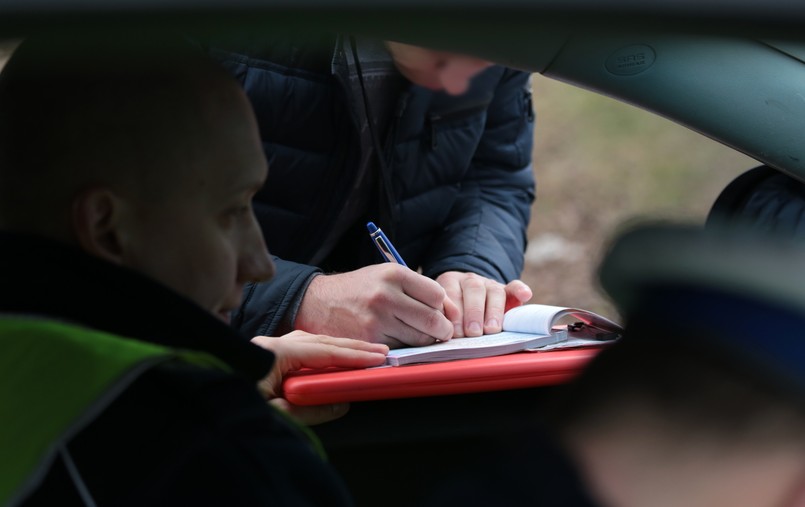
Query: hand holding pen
x=390, y=254
x=484, y=300
x=384, y=303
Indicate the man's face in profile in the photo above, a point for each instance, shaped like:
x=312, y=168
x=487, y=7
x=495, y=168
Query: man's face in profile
x=200, y=236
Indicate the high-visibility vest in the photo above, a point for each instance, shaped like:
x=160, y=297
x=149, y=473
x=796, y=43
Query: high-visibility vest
x=55, y=378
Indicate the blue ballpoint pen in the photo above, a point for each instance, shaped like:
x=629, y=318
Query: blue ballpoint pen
x=383, y=244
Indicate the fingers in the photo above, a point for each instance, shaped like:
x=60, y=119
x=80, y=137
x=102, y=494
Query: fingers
x=484, y=305
x=420, y=326
x=454, y=314
x=350, y=343
x=299, y=350
x=495, y=306
x=396, y=306
x=471, y=294
x=311, y=415
x=454, y=311
x=481, y=302
x=473, y=290
x=387, y=302
x=422, y=288
x=421, y=315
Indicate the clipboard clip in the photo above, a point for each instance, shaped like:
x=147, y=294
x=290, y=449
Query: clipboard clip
x=592, y=332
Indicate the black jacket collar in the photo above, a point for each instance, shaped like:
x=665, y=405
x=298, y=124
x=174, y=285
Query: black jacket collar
x=42, y=277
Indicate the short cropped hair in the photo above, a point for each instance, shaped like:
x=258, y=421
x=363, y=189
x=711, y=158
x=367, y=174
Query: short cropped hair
x=86, y=109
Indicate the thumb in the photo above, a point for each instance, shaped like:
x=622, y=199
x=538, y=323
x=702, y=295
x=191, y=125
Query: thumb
x=517, y=293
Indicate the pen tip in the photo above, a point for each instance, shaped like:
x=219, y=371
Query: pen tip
x=371, y=226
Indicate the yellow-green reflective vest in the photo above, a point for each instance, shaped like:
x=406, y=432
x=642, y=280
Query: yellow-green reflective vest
x=55, y=378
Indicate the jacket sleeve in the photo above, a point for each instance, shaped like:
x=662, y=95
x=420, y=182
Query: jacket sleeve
x=776, y=204
x=269, y=308
x=486, y=230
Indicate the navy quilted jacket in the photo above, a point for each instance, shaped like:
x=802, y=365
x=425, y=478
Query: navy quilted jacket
x=454, y=188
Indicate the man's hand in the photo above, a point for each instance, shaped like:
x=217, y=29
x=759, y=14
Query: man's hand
x=481, y=302
x=298, y=350
x=385, y=303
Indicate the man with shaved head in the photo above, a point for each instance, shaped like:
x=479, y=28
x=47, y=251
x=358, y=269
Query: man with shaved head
x=126, y=236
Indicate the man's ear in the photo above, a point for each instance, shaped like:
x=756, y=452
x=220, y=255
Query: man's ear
x=96, y=223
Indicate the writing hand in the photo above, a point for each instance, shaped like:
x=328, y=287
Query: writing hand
x=481, y=301
x=298, y=350
x=385, y=303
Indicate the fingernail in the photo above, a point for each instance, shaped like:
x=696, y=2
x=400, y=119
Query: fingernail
x=475, y=327
x=493, y=323
x=458, y=329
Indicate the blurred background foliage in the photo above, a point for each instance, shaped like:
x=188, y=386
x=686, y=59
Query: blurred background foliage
x=600, y=164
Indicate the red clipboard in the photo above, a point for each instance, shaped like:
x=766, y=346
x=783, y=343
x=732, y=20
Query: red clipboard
x=512, y=371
